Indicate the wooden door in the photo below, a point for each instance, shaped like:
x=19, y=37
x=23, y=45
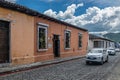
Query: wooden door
x=4, y=42
x=56, y=45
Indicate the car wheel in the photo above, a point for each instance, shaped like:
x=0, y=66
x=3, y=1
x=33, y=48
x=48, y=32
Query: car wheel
x=87, y=62
x=101, y=61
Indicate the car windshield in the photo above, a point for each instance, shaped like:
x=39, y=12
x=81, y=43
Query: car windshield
x=96, y=51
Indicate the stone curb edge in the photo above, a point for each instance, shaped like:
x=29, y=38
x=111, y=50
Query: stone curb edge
x=36, y=65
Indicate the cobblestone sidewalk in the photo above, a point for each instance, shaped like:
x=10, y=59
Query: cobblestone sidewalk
x=27, y=66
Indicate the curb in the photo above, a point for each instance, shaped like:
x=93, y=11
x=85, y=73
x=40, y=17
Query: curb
x=14, y=69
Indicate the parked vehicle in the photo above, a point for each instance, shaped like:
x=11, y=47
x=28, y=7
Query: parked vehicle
x=99, y=55
x=117, y=49
x=111, y=51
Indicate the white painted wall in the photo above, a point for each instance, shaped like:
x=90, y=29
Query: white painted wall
x=90, y=45
x=107, y=44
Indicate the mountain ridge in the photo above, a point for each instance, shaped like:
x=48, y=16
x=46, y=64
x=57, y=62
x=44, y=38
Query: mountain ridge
x=113, y=36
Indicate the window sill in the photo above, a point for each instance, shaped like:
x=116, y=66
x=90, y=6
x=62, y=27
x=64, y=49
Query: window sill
x=42, y=49
x=67, y=48
x=80, y=48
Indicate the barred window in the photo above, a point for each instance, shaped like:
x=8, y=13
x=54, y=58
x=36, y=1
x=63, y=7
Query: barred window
x=67, y=39
x=98, y=44
x=80, y=40
x=42, y=37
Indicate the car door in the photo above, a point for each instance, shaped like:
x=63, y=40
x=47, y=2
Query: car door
x=104, y=55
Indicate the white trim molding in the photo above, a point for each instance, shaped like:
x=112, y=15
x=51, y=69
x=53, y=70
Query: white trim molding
x=46, y=39
x=43, y=24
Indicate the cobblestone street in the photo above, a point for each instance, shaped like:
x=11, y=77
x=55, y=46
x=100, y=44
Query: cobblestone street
x=71, y=70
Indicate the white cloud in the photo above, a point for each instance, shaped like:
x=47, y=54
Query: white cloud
x=95, y=19
x=114, y=22
x=99, y=33
x=68, y=14
x=80, y=5
x=12, y=1
x=51, y=13
x=116, y=32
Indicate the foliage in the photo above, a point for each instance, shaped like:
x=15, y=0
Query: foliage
x=113, y=36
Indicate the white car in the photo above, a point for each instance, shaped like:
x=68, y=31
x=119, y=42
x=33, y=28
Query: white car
x=117, y=49
x=97, y=55
x=111, y=51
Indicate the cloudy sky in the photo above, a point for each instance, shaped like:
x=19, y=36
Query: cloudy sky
x=98, y=16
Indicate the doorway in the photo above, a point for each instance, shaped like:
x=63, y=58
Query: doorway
x=4, y=41
x=56, y=45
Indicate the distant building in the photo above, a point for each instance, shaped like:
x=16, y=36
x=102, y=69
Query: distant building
x=96, y=41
